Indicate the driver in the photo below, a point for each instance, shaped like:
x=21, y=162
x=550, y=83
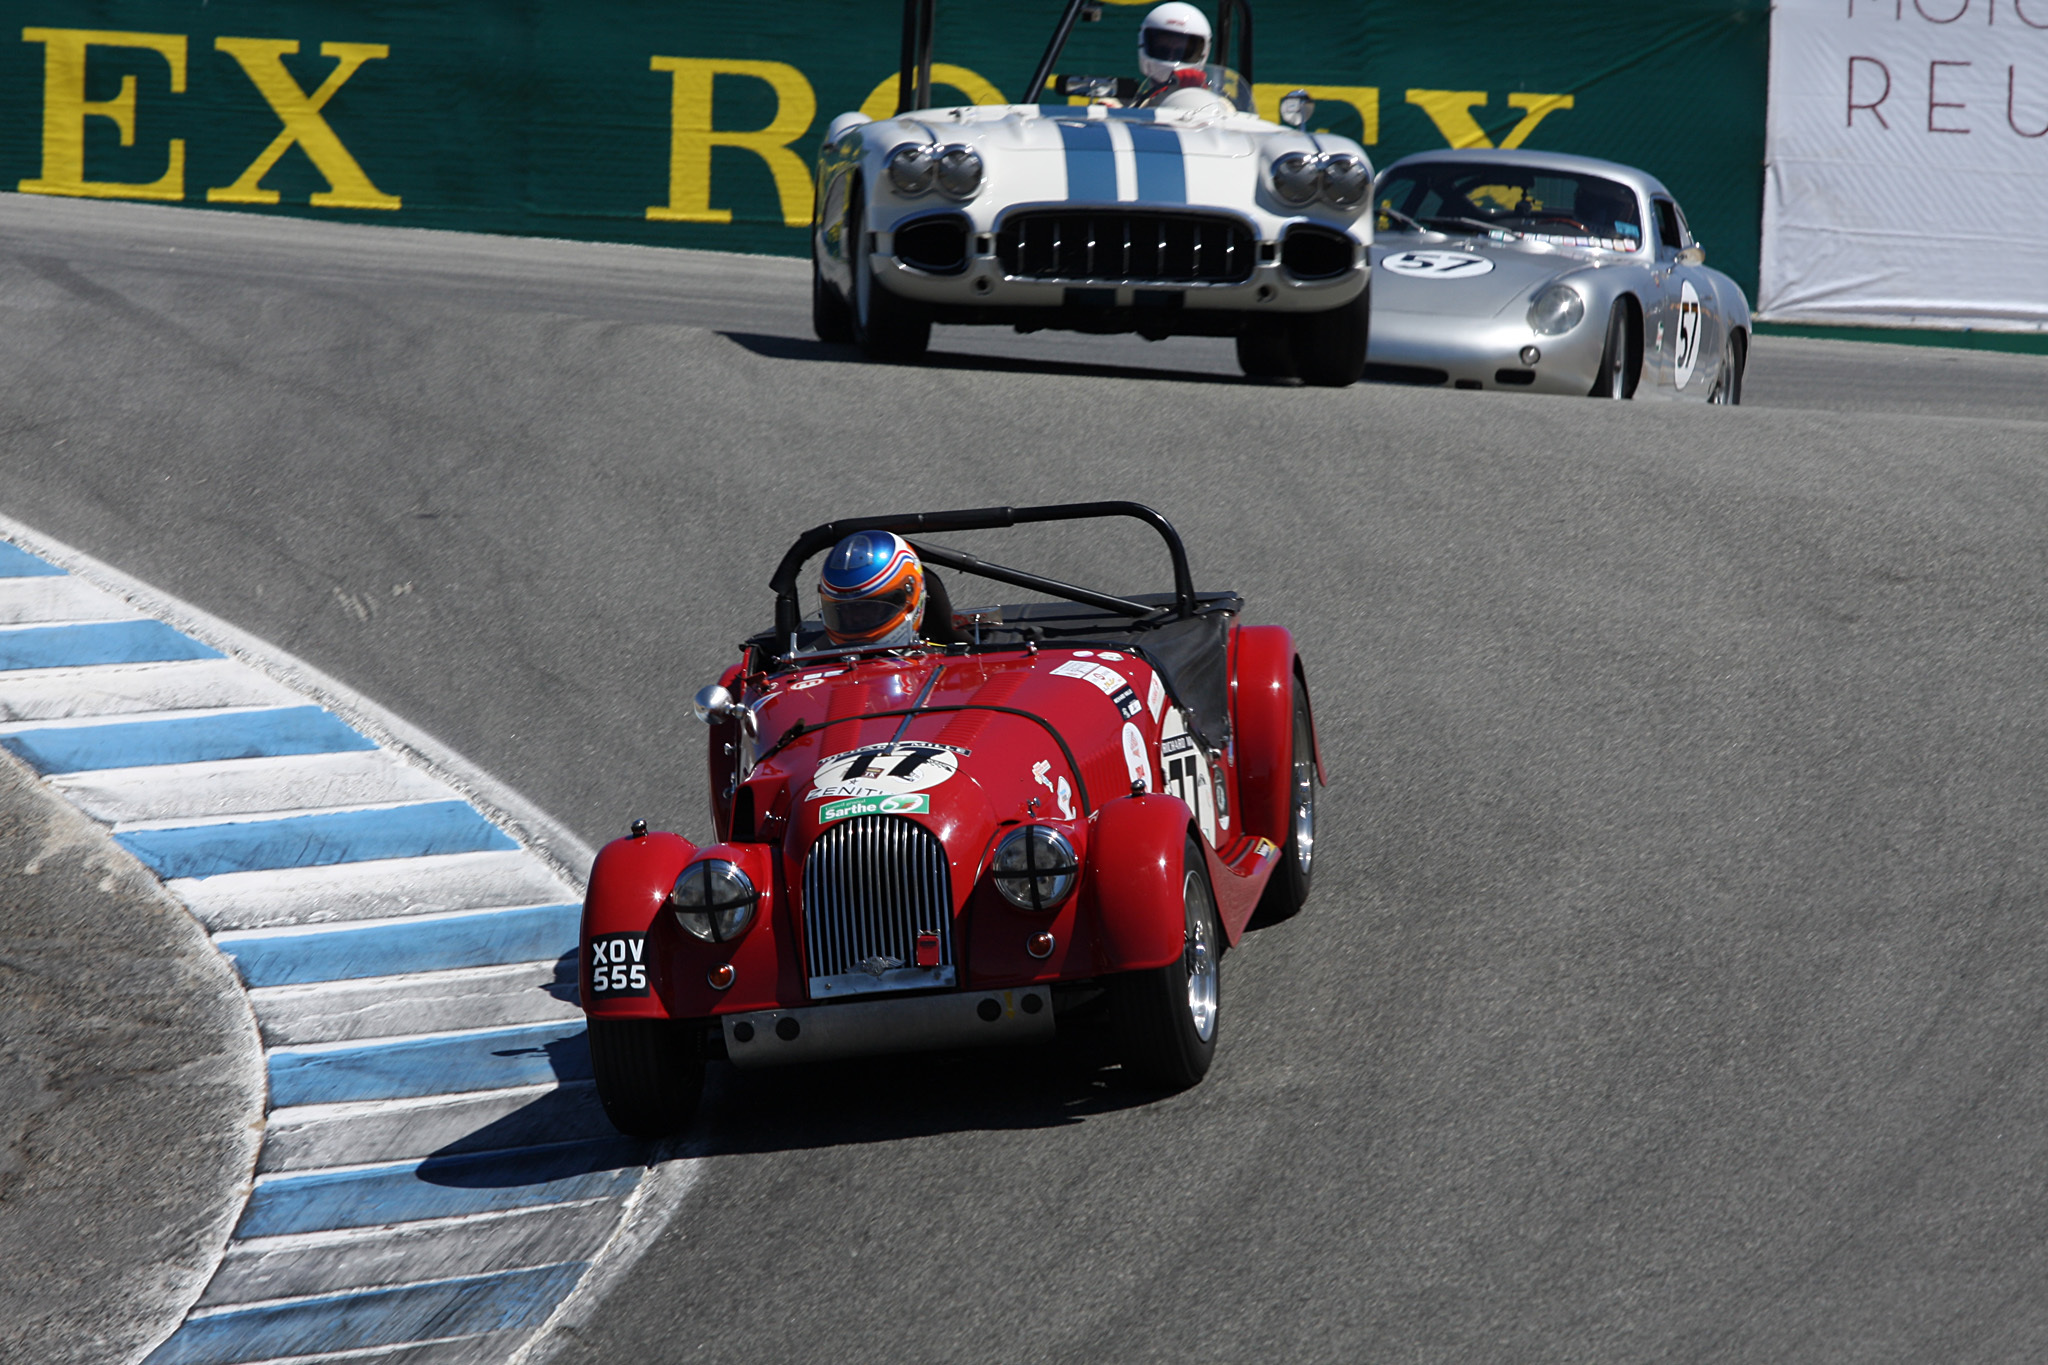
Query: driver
x=1173, y=49
x=872, y=591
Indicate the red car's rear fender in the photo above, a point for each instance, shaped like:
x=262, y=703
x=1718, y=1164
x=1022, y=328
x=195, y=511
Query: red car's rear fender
x=1267, y=674
x=1135, y=858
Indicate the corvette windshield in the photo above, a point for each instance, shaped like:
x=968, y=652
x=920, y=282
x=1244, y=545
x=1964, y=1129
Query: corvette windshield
x=1557, y=206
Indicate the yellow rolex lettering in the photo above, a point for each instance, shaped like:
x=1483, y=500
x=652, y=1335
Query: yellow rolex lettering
x=692, y=136
x=1364, y=98
x=881, y=101
x=262, y=60
x=1535, y=108
x=65, y=110
x=1451, y=112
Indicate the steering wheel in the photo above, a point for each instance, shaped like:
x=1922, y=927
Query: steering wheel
x=1559, y=218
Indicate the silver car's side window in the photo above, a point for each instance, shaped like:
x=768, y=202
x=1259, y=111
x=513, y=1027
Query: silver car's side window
x=1670, y=228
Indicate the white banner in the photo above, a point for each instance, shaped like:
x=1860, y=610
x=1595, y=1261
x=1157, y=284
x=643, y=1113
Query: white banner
x=1906, y=177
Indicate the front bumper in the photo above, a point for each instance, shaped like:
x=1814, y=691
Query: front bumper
x=1430, y=348
x=866, y=1028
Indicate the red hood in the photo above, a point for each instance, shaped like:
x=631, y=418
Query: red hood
x=1007, y=729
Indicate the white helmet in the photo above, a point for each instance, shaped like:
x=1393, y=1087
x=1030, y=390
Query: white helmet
x=1174, y=37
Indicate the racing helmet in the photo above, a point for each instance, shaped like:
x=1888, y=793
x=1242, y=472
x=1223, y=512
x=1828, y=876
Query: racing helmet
x=1174, y=37
x=871, y=590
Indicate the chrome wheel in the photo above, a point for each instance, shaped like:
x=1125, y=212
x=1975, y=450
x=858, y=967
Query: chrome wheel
x=1199, y=958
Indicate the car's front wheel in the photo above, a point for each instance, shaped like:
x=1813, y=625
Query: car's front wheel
x=885, y=326
x=1614, y=379
x=1263, y=352
x=831, y=319
x=649, y=1073
x=1167, y=1018
x=1328, y=348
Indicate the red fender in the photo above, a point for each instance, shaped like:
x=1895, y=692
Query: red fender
x=1133, y=886
x=629, y=884
x=1263, y=712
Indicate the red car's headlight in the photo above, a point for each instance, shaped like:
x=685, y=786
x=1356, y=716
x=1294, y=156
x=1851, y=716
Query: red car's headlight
x=714, y=900
x=1034, y=867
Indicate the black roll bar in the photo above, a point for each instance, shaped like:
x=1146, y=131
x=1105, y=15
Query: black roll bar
x=789, y=614
x=914, y=74
x=1035, y=91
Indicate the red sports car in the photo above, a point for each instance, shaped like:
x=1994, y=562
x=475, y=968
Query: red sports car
x=1044, y=816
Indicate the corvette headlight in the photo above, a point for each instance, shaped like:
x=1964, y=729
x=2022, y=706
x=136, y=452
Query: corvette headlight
x=1034, y=867
x=1345, y=180
x=959, y=172
x=714, y=900
x=1556, y=311
x=911, y=168
x=1296, y=178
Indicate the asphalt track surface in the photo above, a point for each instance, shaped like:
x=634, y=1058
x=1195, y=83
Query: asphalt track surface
x=1673, y=985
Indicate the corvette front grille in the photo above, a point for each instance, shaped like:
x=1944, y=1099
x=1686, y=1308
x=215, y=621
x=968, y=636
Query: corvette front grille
x=1149, y=248
x=872, y=885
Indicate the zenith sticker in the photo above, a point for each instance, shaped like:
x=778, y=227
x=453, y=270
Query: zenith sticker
x=1687, y=352
x=1108, y=680
x=885, y=770
x=903, y=803
x=1136, y=762
x=1041, y=773
x=618, y=966
x=1437, y=265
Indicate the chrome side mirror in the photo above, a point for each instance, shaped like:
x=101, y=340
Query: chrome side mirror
x=1693, y=255
x=714, y=704
x=1296, y=108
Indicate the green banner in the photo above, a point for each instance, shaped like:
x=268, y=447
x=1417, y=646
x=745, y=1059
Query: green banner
x=695, y=125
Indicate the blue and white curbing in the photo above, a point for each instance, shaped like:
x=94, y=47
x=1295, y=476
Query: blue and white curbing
x=436, y=1184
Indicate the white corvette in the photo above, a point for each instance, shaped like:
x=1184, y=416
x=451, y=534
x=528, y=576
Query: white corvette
x=1164, y=209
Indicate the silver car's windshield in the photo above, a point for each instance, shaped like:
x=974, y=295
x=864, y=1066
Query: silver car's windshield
x=1564, y=207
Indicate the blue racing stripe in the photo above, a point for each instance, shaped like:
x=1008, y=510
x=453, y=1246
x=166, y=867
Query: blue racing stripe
x=16, y=562
x=1091, y=161
x=1162, y=166
x=442, y=1187
x=99, y=642
x=372, y=1317
x=488, y=938
x=189, y=739
x=350, y=836
x=489, y=1059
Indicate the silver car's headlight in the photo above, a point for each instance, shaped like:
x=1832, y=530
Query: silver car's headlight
x=1296, y=178
x=911, y=168
x=714, y=900
x=959, y=172
x=1345, y=180
x=1034, y=867
x=1556, y=311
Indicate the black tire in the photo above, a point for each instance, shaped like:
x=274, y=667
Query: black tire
x=1167, y=1020
x=1288, y=889
x=1614, y=379
x=649, y=1073
x=885, y=326
x=831, y=319
x=1263, y=352
x=1728, y=384
x=1329, y=348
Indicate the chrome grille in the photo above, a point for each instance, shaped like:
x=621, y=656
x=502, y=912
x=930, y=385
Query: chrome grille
x=871, y=885
x=1075, y=244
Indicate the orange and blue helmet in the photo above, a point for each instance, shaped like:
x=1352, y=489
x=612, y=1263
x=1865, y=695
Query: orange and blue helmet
x=871, y=590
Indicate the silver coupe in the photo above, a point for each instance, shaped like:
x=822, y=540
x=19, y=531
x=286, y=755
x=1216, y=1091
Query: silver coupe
x=1548, y=273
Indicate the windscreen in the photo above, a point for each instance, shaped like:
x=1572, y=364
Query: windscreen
x=1563, y=207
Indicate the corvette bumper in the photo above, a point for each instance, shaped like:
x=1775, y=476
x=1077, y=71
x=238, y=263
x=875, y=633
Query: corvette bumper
x=984, y=286
x=867, y=1028
x=1429, y=348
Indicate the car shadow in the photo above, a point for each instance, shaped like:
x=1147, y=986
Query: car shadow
x=803, y=348
x=564, y=1133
